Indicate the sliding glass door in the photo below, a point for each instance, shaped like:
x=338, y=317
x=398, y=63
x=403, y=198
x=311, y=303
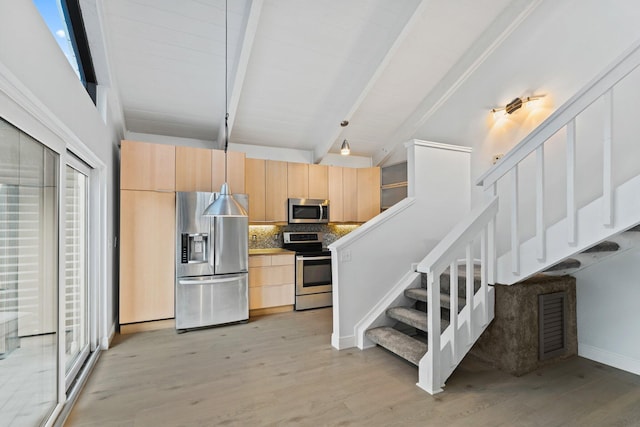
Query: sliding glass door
x=76, y=296
x=28, y=279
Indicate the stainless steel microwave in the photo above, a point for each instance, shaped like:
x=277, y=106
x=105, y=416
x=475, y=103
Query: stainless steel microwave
x=308, y=211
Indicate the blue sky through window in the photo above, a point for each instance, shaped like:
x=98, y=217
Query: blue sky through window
x=52, y=14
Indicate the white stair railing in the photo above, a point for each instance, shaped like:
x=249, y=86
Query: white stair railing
x=519, y=261
x=446, y=350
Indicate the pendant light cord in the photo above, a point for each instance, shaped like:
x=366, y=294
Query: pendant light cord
x=226, y=86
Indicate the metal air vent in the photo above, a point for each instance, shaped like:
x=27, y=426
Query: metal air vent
x=552, y=316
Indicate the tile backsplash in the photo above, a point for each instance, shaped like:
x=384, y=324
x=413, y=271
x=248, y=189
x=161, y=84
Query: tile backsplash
x=270, y=236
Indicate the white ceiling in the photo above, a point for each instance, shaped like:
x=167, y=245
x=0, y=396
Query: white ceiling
x=298, y=67
x=396, y=69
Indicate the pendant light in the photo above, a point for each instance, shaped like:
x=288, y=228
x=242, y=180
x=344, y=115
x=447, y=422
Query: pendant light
x=225, y=204
x=345, y=150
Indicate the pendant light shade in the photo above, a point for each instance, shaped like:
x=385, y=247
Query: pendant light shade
x=225, y=204
x=345, y=150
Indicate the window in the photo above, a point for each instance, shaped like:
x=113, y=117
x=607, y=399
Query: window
x=64, y=19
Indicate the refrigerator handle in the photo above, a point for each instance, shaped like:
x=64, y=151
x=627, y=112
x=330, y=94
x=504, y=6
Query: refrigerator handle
x=209, y=281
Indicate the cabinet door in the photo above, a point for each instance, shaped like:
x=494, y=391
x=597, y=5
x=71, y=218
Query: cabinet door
x=147, y=260
x=276, y=191
x=255, y=188
x=271, y=281
x=147, y=166
x=193, y=169
x=298, y=180
x=318, y=182
x=350, y=194
x=235, y=171
x=336, y=194
x=368, y=193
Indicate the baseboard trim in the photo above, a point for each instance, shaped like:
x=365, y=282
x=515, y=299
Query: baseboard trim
x=616, y=360
x=270, y=310
x=340, y=343
x=131, y=328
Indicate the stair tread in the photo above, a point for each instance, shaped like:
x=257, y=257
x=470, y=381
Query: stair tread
x=413, y=317
x=565, y=265
x=603, y=247
x=401, y=344
x=420, y=294
x=445, y=280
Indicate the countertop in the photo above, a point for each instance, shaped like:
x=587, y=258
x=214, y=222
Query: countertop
x=270, y=251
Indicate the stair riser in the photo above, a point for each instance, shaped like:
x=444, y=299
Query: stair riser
x=444, y=311
x=445, y=284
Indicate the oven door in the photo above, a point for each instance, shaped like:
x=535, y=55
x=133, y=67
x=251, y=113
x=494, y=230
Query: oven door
x=313, y=274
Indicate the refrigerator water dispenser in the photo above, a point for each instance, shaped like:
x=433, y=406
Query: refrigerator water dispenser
x=195, y=247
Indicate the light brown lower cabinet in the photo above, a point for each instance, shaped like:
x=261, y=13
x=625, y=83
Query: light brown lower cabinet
x=147, y=253
x=271, y=280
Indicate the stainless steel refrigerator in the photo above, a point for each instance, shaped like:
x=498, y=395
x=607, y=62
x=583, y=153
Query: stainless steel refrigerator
x=211, y=263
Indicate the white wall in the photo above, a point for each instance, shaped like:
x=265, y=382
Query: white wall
x=608, y=315
x=41, y=95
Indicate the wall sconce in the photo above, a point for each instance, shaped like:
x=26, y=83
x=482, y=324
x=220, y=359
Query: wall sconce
x=345, y=149
x=515, y=105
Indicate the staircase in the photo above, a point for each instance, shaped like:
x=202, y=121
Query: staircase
x=596, y=253
x=430, y=318
x=408, y=338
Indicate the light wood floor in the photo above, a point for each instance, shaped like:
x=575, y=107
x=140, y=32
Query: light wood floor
x=280, y=370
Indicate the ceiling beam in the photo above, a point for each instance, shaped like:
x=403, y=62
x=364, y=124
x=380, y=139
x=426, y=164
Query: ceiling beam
x=251, y=27
x=322, y=149
x=502, y=27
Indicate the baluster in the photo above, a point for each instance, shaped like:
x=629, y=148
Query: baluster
x=483, y=277
x=469, y=289
x=453, y=309
x=515, y=237
x=540, y=230
x=433, y=325
x=491, y=241
x=571, y=183
x=607, y=185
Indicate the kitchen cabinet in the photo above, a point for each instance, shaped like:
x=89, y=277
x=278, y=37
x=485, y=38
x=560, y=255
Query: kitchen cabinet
x=368, y=181
x=235, y=171
x=147, y=166
x=275, y=191
x=193, y=169
x=354, y=194
x=255, y=188
x=336, y=194
x=271, y=281
x=147, y=236
x=266, y=184
x=318, y=182
x=298, y=180
x=350, y=194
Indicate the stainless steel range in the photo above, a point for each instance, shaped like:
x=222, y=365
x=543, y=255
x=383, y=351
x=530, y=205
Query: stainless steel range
x=313, y=269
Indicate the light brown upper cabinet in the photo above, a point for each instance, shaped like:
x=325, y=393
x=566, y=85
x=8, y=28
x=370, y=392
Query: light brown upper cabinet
x=193, y=169
x=319, y=182
x=298, y=180
x=368, y=193
x=336, y=194
x=147, y=166
x=147, y=255
x=350, y=194
x=276, y=191
x=235, y=171
x=255, y=187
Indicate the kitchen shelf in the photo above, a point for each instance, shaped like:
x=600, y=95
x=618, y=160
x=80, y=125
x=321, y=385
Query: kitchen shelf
x=393, y=184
